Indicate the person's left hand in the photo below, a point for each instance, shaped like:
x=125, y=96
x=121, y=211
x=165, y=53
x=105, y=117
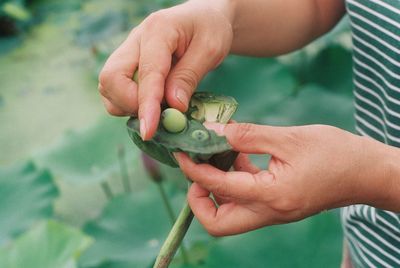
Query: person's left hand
x=312, y=168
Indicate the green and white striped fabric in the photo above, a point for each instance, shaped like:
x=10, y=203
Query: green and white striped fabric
x=373, y=235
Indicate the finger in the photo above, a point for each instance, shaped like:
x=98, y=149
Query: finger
x=221, y=200
x=199, y=199
x=155, y=62
x=115, y=79
x=243, y=163
x=113, y=109
x=228, y=219
x=255, y=139
x=230, y=184
x=184, y=77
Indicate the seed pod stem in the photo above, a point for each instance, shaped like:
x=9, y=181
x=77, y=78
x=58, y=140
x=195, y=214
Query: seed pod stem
x=171, y=215
x=107, y=190
x=124, y=169
x=153, y=169
x=175, y=238
x=167, y=204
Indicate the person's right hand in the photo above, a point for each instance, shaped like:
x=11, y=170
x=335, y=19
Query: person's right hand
x=173, y=49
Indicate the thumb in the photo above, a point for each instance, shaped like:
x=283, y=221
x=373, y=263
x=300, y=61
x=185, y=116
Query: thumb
x=184, y=77
x=252, y=138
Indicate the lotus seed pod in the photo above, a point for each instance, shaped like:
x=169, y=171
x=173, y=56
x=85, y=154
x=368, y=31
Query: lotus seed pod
x=173, y=120
x=201, y=144
x=200, y=135
x=212, y=108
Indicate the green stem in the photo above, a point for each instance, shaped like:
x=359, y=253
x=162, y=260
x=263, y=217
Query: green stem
x=172, y=217
x=106, y=189
x=174, y=238
x=167, y=204
x=124, y=170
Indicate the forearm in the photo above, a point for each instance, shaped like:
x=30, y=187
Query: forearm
x=273, y=27
x=269, y=28
x=383, y=182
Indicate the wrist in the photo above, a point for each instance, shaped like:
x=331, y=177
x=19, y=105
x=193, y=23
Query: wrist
x=382, y=179
x=226, y=7
x=391, y=175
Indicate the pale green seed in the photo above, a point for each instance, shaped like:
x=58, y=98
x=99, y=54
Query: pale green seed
x=136, y=76
x=173, y=120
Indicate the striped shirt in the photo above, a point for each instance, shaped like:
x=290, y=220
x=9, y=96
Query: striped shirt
x=373, y=235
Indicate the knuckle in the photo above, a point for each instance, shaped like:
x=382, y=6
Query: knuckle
x=149, y=68
x=134, y=30
x=214, y=50
x=265, y=181
x=105, y=78
x=289, y=204
x=156, y=20
x=145, y=69
x=244, y=134
x=286, y=205
x=188, y=76
x=112, y=110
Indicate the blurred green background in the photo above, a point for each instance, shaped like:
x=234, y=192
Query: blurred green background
x=64, y=163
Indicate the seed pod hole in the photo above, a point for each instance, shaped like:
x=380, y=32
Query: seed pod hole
x=200, y=135
x=173, y=120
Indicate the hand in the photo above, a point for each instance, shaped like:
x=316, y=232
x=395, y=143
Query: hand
x=312, y=168
x=196, y=36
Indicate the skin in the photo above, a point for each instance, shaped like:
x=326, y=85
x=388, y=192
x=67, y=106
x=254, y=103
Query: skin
x=313, y=168
x=174, y=48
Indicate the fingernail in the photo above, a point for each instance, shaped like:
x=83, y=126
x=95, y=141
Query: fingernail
x=182, y=96
x=177, y=155
x=142, y=128
x=218, y=128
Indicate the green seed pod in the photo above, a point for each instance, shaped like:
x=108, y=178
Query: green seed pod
x=212, y=108
x=200, y=135
x=173, y=120
x=188, y=134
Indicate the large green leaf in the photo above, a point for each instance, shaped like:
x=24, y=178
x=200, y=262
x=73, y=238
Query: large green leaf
x=326, y=61
x=131, y=229
x=82, y=160
x=56, y=94
x=96, y=27
x=48, y=245
x=26, y=196
x=90, y=154
x=313, y=105
x=255, y=83
x=315, y=242
x=330, y=68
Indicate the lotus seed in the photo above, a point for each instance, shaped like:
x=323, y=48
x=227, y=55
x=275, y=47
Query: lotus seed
x=173, y=120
